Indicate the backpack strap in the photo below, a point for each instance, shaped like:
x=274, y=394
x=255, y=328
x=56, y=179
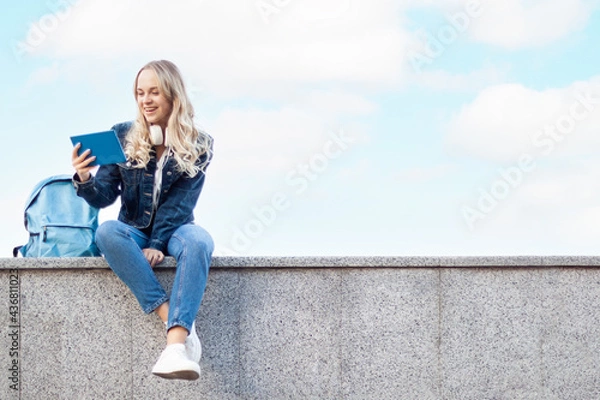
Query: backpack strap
x=16, y=251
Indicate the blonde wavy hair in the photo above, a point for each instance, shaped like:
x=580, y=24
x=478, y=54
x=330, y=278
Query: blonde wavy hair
x=188, y=143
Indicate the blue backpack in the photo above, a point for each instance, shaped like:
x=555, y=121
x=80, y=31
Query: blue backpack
x=60, y=224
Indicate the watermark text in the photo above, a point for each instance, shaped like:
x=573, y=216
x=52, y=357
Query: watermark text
x=14, y=330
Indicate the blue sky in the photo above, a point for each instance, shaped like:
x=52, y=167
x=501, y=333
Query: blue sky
x=330, y=139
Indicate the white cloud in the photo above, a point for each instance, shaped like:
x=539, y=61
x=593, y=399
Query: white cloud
x=475, y=80
x=260, y=147
x=329, y=104
x=511, y=24
x=229, y=48
x=506, y=121
x=518, y=23
x=265, y=140
x=256, y=151
x=554, y=208
x=582, y=229
x=561, y=189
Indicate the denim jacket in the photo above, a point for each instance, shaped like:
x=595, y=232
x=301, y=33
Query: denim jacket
x=178, y=196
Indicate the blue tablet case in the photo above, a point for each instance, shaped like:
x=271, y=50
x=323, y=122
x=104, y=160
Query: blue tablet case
x=104, y=145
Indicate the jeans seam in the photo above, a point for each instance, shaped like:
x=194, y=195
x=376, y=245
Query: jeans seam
x=182, y=264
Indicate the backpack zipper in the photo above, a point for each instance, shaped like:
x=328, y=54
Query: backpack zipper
x=45, y=229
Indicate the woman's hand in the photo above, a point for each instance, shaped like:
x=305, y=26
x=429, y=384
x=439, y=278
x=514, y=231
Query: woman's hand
x=153, y=256
x=81, y=163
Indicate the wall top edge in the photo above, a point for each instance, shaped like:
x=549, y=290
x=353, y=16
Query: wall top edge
x=326, y=262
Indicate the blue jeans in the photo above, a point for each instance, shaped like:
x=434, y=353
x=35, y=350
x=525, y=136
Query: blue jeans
x=192, y=248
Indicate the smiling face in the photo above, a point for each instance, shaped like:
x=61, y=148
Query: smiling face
x=151, y=100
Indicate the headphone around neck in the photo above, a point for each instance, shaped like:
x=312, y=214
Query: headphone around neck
x=156, y=135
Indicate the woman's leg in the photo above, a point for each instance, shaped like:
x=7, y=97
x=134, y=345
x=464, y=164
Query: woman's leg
x=122, y=246
x=192, y=247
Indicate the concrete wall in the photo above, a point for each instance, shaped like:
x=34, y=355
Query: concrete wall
x=315, y=328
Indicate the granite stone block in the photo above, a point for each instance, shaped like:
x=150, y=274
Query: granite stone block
x=290, y=334
x=504, y=261
x=75, y=344
x=389, y=334
x=491, y=334
x=569, y=309
x=325, y=262
x=318, y=328
x=219, y=262
x=218, y=325
x=218, y=329
x=570, y=261
x=520, y=334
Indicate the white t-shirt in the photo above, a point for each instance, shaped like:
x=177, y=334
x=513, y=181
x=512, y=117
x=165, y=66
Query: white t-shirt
x=158, y=177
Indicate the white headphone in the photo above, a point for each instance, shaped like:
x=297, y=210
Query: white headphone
x=156, y=135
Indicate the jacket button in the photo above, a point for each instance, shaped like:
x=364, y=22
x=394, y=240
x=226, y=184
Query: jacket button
x=169, y=173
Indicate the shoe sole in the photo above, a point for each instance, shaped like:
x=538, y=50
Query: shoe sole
x=185, y=375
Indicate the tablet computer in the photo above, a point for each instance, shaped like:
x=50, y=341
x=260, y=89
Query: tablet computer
x=104, y=145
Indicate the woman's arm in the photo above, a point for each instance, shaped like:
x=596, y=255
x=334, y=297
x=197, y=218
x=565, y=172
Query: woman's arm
x=101, y=190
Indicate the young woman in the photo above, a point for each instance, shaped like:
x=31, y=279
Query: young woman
x=159, y=185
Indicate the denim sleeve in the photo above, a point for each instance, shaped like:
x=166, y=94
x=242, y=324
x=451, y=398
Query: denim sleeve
x=103, y=189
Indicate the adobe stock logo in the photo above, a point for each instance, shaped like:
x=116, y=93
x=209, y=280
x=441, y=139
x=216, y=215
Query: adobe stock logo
x=43, y=27
x=545, y=139
x=299, y=179
x=433, y=45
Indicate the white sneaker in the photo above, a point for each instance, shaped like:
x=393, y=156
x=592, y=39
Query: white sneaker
x=193, y=347
x=173, y=363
